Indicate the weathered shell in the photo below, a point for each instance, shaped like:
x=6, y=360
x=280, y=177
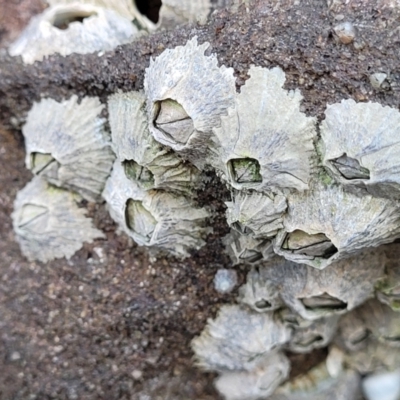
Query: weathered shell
x=382, y=386
x=150, y=164
x=352, y=334
x=238, y=339
x=186, y=95
x=327, y=223
x=72, y=28
x=360, y=145
x=310, y=292
x=155, y=218
x=258, y=214
x=48, y=223
x=309, y=335
x=67, y=145
x=257, y=383
x=177, y=12
x=245, y=249
x=265, y=141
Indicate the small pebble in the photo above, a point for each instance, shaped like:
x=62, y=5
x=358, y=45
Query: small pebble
x=345, y=31
x=225, y=280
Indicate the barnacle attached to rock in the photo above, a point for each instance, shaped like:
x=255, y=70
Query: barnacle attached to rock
x=48, y=223
x=238, y=339
x=147, y=162
x=327, y=223
x=155, y=218
x=265, y=141
x=312, y=293
x=186, y=95
x=258, y=214
x=361, y=147
x=72, y=28
x=67, y=145
x=258, y=383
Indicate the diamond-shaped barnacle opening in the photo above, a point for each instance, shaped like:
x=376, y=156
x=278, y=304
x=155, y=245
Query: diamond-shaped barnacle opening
x=31, y=214
x=242, y=229
x=139, y=220
x=263, y=304
x=173, y=121
x=244, y=170
x=307, y=341
x=65, y=16
x=312, y=245
x=350, y=168
x=136, y=172
x=40, y=161
x=323, y=302
x=250, y=256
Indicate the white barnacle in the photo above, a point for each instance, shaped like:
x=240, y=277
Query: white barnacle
x=186, y=95
x=360, y=146
x=155, y=217
x=258, y=383
x=238, y=339
x=258, y=214
x=146, y=161
x=48, y=223
x=67, y=145
x=72, y=28
x=328, y=223
x=313, y=293
x=265, y=141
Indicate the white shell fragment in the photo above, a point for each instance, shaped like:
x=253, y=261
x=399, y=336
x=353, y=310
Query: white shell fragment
x=327, y=223
x=360, y=144
x=150, y=164
x=48, y=223
x=238, y=339
x=225, y=280
x=67, y=145
x=382, y=386
x=345, y=32
x=257, y=383
x=72, y=28
x=265, y=142
x=155, y=218
x=186, y=95
x=312, y=293
x=258, y=214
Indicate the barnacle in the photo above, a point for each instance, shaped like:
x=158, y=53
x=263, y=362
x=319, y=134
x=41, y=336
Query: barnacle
x=258, y=214
x=238, y=339
x=150, y=164
x=327, y=223
x=258, y=383
x=225, y=280
x=154, y=218
x=265, y=141
x=360, y=146
x=72, y=28
x=186, y=95
x=67, y=145
x=310, y=292
x=48, y=222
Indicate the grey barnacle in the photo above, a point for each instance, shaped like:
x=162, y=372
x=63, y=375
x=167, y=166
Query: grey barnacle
x=265, y=141
x=328, y=223
x=186, y=95
x=360, y=146
x=67, y=145
x=145, y=161
x=48, y=222
x=155, y=218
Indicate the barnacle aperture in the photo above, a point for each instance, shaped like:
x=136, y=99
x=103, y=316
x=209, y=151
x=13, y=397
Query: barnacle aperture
x=250, y=255
x=40, y=161
x=139, y=220
x=323, y=302
x=173, y=121
x=136, y=172
x=33, y=214
x=350, y=168
x=313, y=245
x=245, y=170
x=63, y=17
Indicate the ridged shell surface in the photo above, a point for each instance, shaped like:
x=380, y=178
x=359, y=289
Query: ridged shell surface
x=195, y=91
x=368, y=134
x=238, y=339
x=48, y=223
x=156, y=218
x=153, y=165
x=265, y=141
x=67, y=145
x=92, y=29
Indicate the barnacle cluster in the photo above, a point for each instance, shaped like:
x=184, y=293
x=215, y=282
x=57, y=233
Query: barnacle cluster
x=307, y=211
